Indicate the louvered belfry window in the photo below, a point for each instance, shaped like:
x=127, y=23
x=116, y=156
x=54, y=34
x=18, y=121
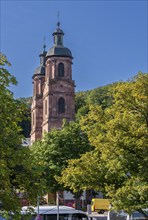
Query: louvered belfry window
x=61, y=105
x=61, y=70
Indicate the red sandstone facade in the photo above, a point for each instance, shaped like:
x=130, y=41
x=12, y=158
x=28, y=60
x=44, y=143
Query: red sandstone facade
x=53, y=93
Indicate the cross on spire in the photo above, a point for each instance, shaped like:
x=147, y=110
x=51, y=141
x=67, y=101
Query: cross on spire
x=58, y=15
x=44, y=45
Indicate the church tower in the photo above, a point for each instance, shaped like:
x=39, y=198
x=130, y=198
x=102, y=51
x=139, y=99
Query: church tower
x=37, y=100
x=58, y=95
x=53, y=98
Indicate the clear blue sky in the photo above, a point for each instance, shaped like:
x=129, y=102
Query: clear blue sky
x=108, y=39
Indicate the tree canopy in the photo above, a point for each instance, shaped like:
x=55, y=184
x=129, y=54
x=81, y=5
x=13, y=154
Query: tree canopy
x=17, y=167
x=97, y=96
x=54, y=150
x=119, y=134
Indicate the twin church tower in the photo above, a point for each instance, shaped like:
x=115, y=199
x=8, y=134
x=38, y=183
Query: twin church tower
x=53, y=89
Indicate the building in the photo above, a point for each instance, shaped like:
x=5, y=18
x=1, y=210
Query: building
x=53, y=88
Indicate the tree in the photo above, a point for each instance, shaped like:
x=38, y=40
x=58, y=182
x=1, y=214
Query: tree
x=98, y=96
x=17, y=166
x=56, y=147
x=26, y=122
x=120, y=136
x=78, y=176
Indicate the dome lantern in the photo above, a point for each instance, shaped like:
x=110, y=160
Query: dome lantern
x=58, y=36
x=58, y=48
x=40, y=70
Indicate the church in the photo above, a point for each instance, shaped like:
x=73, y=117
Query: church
x=53, y=88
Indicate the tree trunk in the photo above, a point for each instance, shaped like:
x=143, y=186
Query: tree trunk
x=77, y=200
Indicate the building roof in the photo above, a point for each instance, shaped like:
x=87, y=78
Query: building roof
x=59, y=51
x=40, y=70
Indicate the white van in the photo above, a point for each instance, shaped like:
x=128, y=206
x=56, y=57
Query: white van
x=50, y=213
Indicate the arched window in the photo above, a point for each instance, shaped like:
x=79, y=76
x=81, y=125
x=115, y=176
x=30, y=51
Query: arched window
x=61, y=70
x=61, y=105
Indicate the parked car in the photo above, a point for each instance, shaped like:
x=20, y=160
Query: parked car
x=112, y=215
x=120, y=215
x=137, y=216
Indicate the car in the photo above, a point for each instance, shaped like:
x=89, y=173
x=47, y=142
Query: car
x=113, y=215
x=121, y=215
x=138, y=216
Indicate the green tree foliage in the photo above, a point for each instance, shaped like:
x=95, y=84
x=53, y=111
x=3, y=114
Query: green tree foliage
x=78, y=176
x=57, y=146
x=26, y=122
x=99, y=96
x=16, y=171
x=119, y=134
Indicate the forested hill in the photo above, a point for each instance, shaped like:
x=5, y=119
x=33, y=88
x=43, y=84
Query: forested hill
x=26, y=123
x=97, y=96
x=27, y=101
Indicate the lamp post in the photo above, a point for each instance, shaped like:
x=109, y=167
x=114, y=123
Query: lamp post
x=38, y=203
x=57, y=205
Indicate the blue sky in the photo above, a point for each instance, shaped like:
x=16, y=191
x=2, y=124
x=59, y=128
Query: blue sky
x=108, y=39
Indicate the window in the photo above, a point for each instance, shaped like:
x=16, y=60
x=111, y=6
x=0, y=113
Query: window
x=54, y=216
x=61, y=70
x=59, y=40
x=61, y=105
x=45, y=107
x=79, y=217
x=33, y=119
